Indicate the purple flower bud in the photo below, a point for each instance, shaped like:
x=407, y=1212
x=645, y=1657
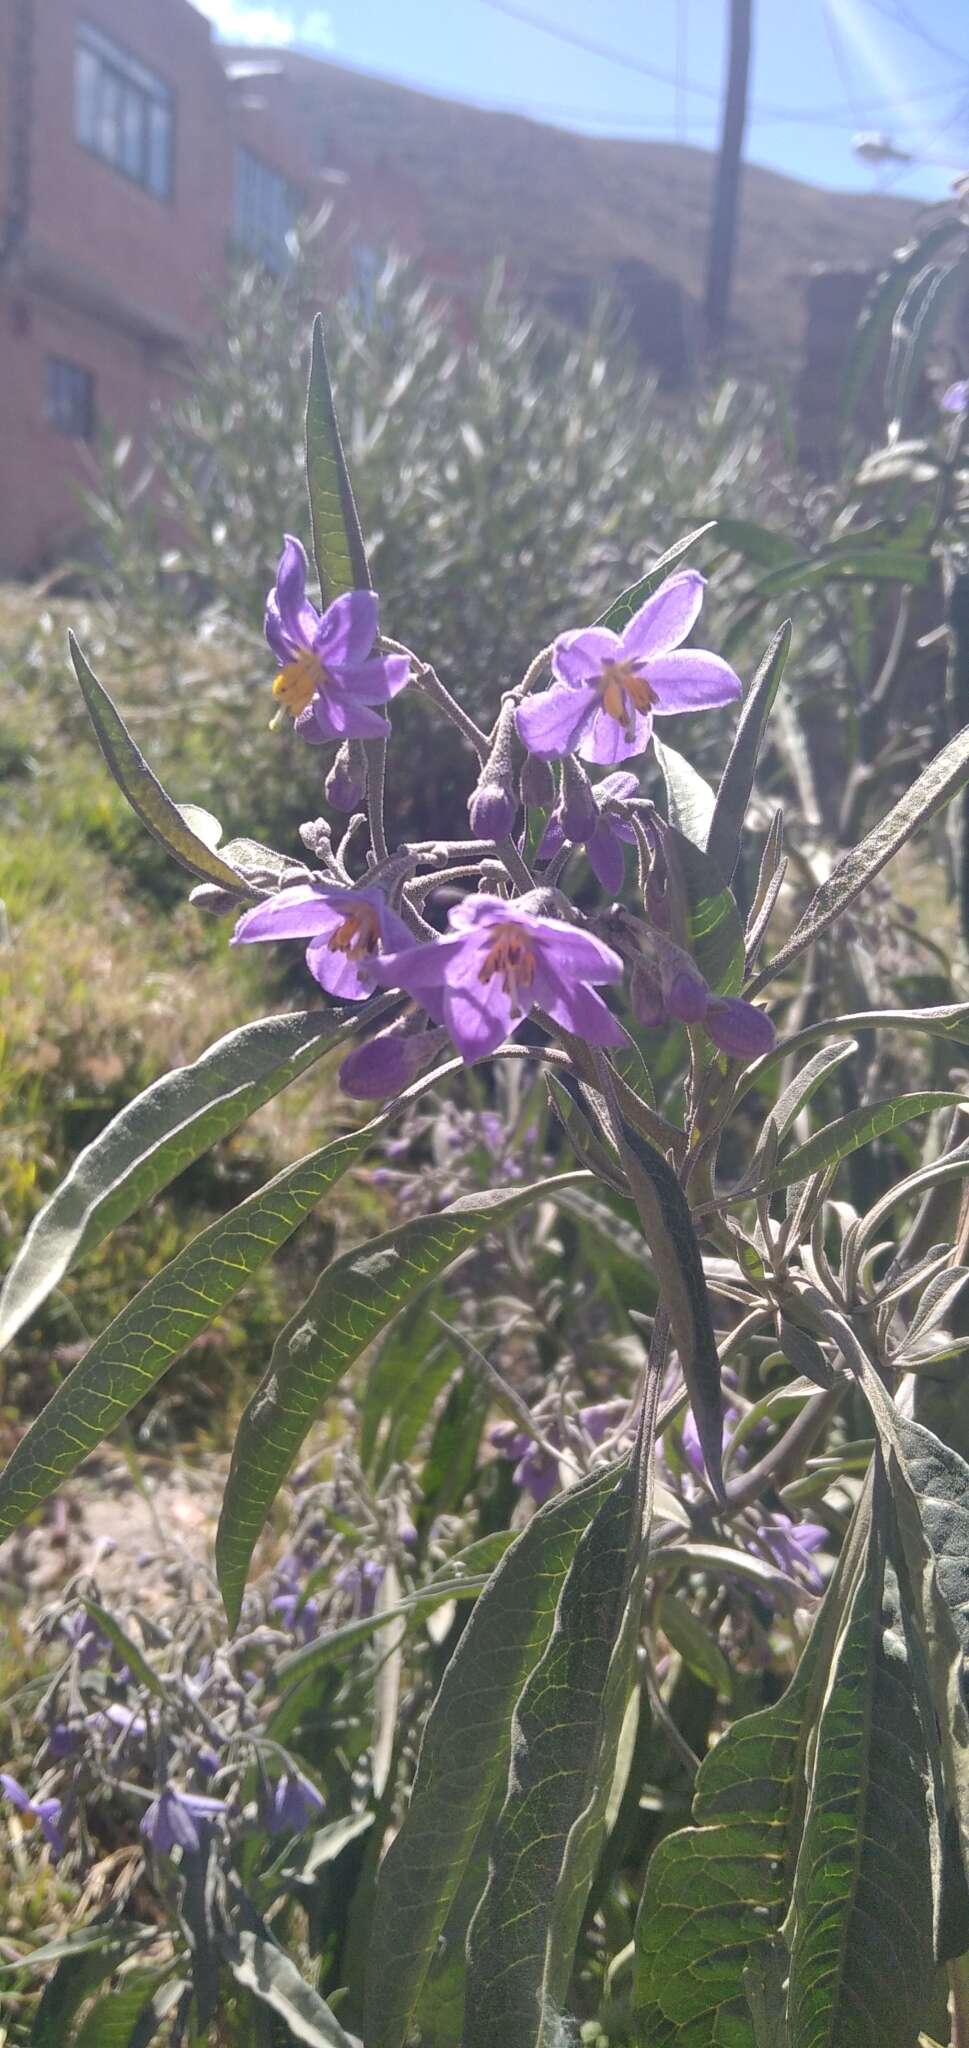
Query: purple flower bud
x=361, y=1583
x=687, y=996
x=537, y=783
x=956, y=398
x=386, y=1064
x=115, y=1716
x=295, y=1804
x=738, y=1028
x=207, y=1761
x=537, y=1473
x=62, y=1740
x=578, y=811
x=492, y=810
x=345, y=787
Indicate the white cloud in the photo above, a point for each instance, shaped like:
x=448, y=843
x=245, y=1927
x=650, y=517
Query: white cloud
x=245, y=21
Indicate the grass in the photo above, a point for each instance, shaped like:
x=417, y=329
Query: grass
x=108, y=977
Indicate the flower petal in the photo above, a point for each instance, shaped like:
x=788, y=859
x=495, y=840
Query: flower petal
x=417, y=968
x=581, y=656
x=619, y=786
x=667, y=617
x=691, y=680
x=333, y=715
x=550, y=723
x=376, y=681
x=337, y=973
x=298, y=913
x=605, y=740
x=572, y=953
x=606, y=856
x=577, y=1008
x=478, y=1014
x=293, y=619
x=552, y=840
x=348, y=628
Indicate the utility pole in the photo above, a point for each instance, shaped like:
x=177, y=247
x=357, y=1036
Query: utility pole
x=726, y=192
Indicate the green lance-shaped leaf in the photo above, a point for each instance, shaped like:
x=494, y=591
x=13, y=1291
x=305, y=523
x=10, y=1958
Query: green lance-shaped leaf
x=351, y=1303
x=737, y=781
x=798, y=1094
x=668, y=1229
x=464, y=1756
x=716, y=1893
x=271, y=1977
x=155, y=1138
x=874, y=326
x=618, y=614
x=757, y=544
x=341, y=558
x=111, y=2023
x=149, y=801
x=936, y=785
x=914, y=327
x=836, y=1140
x=144, y=1340
x=689, y=800
x=714, y=933
x=545, y=1846
x=861, y=1954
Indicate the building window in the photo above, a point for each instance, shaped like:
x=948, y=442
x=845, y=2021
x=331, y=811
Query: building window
x=70, y=399
x=123, y=111
x=266, y=207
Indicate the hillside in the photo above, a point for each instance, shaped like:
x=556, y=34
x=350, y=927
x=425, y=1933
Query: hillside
x=569, y=212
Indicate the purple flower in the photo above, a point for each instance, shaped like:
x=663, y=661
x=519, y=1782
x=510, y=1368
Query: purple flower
x=607, y=836
x=46, y=1811
x=328, y=677
x=118, y=1717
x=62, y=1740
x=497, y=962
x=171, y=1821
x=346, y=928
x=609, y=686
x=295, y=1804
x=956, y=398
x=300, y=1617
x=791, y=1544
x=738, y=1028
x=601, y=1417
x=84, y=1636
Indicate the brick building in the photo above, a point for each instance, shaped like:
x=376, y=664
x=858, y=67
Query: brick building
x=136, y=153
x=130, y=162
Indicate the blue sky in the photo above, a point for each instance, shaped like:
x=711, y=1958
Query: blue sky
x=823, y=70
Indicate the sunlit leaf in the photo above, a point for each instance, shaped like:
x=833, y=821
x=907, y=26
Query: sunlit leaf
x=155, y=1138
x=618, y=614
x=149, y=801
x=341, y=558
x=733, y=795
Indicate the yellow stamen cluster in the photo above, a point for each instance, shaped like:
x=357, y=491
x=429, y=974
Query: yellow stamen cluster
x=510, y=955
x=359, y=934
x=624, y=693
x=296, y=684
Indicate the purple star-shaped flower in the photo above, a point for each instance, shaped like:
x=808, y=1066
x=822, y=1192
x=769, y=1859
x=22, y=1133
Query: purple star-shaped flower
x=609, y=686
x=497, y=961
x=172, y=1819
x=792, y=1544
x=328, y=676
x=347, y=929
x=610, y=834
x=46, y=1811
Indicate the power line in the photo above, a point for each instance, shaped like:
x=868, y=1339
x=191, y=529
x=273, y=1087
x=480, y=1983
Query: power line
x=821, y=116
x=903, y=18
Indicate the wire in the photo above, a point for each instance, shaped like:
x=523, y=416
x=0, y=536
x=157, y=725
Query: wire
x=840, y=56
x=822, y=116
x=904, y=19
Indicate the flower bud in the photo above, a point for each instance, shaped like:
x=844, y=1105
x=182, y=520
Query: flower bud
x=537, y=783
x=386, y=1064
x=492, y=810
x=738, y=1028
x=687, y=995
x=578, y=810
x=493, y=805
x=345, y=788
x=315, y=835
